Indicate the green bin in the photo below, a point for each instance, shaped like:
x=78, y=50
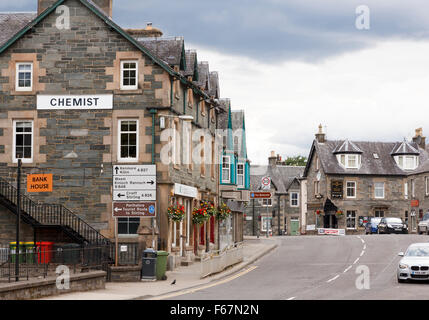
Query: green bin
x=161, y=264
x=13, y=251
x=29, y=252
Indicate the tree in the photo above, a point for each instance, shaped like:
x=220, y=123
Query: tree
x=296, y=161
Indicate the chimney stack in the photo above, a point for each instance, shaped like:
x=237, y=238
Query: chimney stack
x=320, y=136
x=419, y=139
x=105, y=5
x=272, y=161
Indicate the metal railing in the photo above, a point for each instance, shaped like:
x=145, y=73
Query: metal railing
x=217, y=261
x=52, y=214
x=39, y=262
x=129, y=254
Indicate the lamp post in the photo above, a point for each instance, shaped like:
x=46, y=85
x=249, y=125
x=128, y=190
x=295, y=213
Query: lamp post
x=18, y=221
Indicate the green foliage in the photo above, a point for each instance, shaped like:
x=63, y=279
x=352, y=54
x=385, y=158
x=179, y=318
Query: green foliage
x=296, y=161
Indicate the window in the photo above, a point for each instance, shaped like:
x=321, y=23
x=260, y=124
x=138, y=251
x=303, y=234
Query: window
x=212, y=170
x=317, y=164
x=240, y=175
x=351, y=189
x=349, y=161
x=413, y=188
x=24, y=76
x=427, y=185
x=379, y=190
x=294, y=199
x=129, y=75
x=203, y=156
x=407, y=162
x=406, y=190
x=226, y=169
x=175, y=150
x=23, y=141
x=128, y=226
x=187, y=154
x=203, y=107
x=379, y=213
x=351, y=219
x=316, y=188
x=128, y=140
x=267, y=202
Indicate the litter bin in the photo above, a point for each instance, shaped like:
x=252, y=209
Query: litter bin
x=71, y=253
x=44, y=251
x=149, y=260
x=161, y=264
x=29, y=252
x=13, y=251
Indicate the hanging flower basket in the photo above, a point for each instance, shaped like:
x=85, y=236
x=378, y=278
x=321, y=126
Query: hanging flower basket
x=176, y=213
x=318, y=212
x=340, y=213
x=223, y=212
x=199, y=216
x=210, y=207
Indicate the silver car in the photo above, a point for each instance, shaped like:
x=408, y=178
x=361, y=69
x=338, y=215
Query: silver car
x=415, y=263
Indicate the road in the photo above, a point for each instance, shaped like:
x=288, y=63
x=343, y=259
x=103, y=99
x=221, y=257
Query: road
x=320, y=268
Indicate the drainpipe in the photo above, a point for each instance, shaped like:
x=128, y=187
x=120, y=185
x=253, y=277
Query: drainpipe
x=278, y=208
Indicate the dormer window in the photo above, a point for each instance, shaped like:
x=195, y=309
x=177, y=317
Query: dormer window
x=407, y=162
x=406, y=155
x=350, y=161
x=349, y=155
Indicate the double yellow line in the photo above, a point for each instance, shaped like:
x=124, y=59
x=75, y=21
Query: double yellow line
x=190, y=291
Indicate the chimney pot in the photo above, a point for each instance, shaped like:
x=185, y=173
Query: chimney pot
x=320, y=136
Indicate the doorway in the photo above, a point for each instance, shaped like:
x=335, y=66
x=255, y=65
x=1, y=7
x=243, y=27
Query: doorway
x=330, y=221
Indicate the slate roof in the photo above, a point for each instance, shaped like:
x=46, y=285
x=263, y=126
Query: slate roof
x=347, y=147
x=191, y=58
x=203, y=75
x=214, y=85
x=237, y=119
x=282, y=177
x=385, y=165
x=223, y=116
x=11, y=23
x=169, y=50
x=405, y=148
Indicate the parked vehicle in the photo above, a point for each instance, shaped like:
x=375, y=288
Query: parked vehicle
x=415, y=263
x=392, y=225
x=372, y=226
x=423, y=226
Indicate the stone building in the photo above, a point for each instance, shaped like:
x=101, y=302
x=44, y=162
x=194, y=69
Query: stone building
x=234, y=174
x=279, y=214
x=79, y=95
x=350, y=181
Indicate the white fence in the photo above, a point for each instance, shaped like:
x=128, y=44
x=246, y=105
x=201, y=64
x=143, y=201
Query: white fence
x=217, y=261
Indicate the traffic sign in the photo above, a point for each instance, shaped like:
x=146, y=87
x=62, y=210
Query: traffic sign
x=266, y=183
x=134, y=195
x=134, y=183
x=134, y=209
x=260, y=195
x=39, y=182
x=134, y=170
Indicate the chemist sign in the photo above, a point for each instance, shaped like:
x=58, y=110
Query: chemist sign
x=74, y=102
x=39, y=182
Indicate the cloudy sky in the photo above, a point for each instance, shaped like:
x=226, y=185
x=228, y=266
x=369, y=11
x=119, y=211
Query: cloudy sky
x=293, y=64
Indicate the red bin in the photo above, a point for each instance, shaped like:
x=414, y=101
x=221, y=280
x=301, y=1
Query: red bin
x=44, y=251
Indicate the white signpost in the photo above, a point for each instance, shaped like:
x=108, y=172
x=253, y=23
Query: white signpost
x=134, y=183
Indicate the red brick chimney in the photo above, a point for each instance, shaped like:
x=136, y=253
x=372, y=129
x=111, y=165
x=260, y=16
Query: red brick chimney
x=105, y=5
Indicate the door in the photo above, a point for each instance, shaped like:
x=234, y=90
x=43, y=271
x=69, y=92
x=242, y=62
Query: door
x=294, y=227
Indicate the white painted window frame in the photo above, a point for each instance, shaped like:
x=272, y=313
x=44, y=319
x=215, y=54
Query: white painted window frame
x=350, y=218
x=131, y=160
x=347, y=158
x=14, y=158
x=17, y=87
x=292, y=199
x=242, y=175
x=228, y=168
x=375, y=190
x=134, y=87
x=354, y=188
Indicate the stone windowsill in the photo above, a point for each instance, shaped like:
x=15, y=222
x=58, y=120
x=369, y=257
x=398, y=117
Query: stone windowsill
x=128, y=92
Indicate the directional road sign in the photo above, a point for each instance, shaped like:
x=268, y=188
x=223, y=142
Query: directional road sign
x=260, y=195
x=134, y=209
x=134, y=182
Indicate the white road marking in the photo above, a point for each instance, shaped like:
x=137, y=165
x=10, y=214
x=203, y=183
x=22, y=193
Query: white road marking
x=364, y=247
x=333, y=279
x=362, y=253
x=363, y=241
x=347, y=269
x=356, y=261
x=292, y=298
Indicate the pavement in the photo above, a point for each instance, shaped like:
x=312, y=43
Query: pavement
x=322, y=268
x=186, y=278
